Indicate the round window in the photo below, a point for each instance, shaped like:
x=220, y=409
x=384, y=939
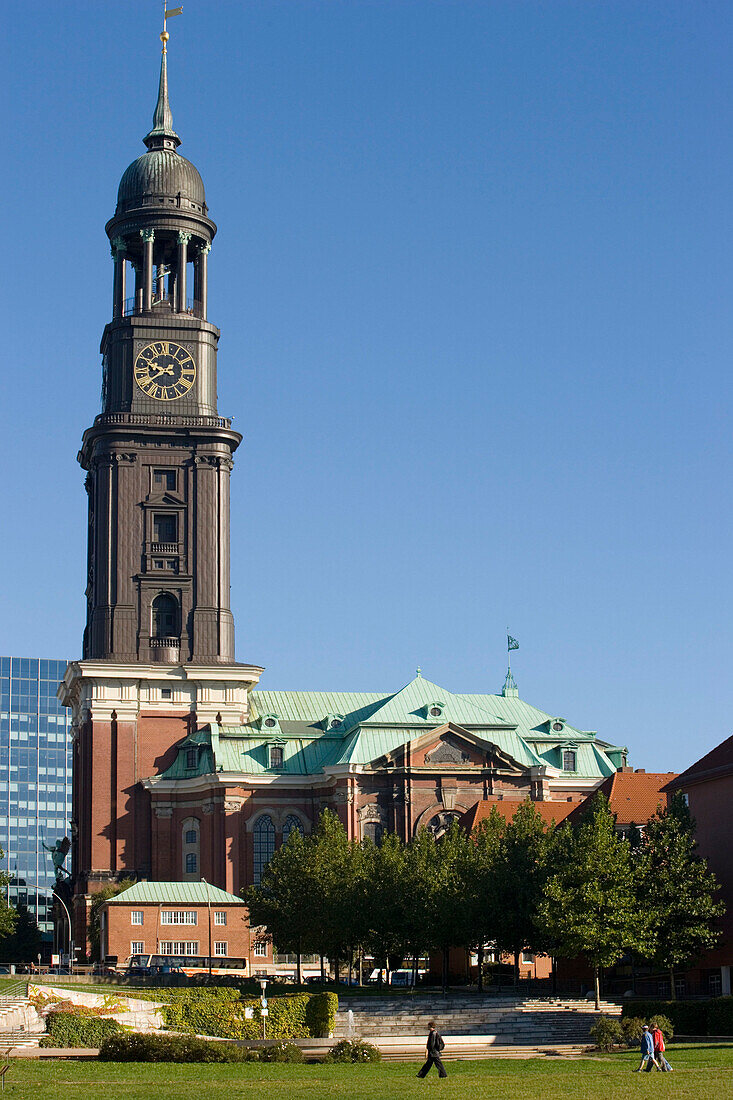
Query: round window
x=435, y=712
x=335, y=723
x=270, y=722
x=558, y=727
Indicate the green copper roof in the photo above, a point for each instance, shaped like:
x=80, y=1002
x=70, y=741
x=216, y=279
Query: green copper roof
x=175, y=893
x=374, y=725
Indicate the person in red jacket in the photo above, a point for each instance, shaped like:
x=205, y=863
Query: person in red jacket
x=658, y=1040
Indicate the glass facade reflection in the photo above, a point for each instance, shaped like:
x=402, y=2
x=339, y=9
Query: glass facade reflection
x=35, y=779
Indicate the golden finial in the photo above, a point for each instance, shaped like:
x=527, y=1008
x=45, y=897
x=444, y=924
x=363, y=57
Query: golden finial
x=168, y=13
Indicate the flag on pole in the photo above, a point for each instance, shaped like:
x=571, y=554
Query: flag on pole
x=511, y=643
x=170, y=12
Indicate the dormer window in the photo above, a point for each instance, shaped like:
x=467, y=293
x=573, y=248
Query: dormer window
x=276, y=756
x=270, y=723
x=333, y=722
x=557, y=725
x=569, y=760
x=192, y=758
x=435, y=710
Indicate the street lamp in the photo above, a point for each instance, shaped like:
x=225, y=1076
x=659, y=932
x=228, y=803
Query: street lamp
x=68, y=917
x=263, y=1006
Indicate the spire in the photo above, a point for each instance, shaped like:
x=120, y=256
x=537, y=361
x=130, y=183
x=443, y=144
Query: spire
x=510, y=689
x=162, y=135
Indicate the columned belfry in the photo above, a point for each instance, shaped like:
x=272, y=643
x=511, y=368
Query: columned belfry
x=158, y=650
x=158, y=457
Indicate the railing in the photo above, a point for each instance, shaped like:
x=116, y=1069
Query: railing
x=165, y=301
x=165, y=643
x=162, y=419
x=164, y=548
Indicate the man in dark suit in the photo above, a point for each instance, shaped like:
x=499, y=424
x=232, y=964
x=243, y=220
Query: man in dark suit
x=434, y=1045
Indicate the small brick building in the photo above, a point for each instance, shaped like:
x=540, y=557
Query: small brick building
x=181, y=920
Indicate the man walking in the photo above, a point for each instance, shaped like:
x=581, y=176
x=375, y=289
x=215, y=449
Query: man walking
x=434, y=1046
x=647, y=1051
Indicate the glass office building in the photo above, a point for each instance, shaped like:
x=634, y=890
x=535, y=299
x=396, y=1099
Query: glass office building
x=35, y=780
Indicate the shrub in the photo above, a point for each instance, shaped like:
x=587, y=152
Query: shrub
x=720, y=1016
x=221, y=1011
x=607, y=1032
x=664, y=1024
x=632, y=1027
x=353, y=1051
x=169, y=1048
x=685, y=1017
x=281, y=1052
x=69, y=1029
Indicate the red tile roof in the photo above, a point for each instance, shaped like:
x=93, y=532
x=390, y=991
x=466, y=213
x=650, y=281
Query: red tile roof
x=635, y=796
x=548, y=811
x=632, y=796
x=717, y=762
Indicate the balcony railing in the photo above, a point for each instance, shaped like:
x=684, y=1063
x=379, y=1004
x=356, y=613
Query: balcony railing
x=163, y=420
x=164, y=548
x=165, y=301
x=165, y=643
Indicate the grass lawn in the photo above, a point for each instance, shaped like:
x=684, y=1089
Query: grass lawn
x=700, y=1071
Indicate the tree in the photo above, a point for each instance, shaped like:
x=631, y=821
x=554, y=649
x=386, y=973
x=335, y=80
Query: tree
x=7, y=913
x=589, y=906
x=24, y=943
x=385, y=899
x=482, y=901
x=676, y=891
x=450, y=918
x=94, y=933
x=278, y=901
x=518, y=880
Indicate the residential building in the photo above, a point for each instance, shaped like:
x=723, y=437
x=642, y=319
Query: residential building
x=707, y=786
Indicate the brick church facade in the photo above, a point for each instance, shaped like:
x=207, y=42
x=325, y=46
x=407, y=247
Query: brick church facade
x=184, y=769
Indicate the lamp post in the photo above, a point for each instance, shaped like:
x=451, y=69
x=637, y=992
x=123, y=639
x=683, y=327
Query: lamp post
x=263, y=1006
x=68, y=917
x=208, y=902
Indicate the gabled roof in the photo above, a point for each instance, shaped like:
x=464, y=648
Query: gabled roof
x=549, y=811
x=716, y=763
x=174, y=893
x=634, y=797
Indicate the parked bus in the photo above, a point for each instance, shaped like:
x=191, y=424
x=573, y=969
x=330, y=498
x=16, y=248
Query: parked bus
x=186, y=964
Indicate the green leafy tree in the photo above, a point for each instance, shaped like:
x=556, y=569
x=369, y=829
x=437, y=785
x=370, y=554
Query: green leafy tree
x=7, y=913
x=518, y=880
x=94, y=928
x=385, y=900
x=450, y=925
x=24, y=943
x=482, y=901
x=589, y=905
x=676, y=891
x=278, y=902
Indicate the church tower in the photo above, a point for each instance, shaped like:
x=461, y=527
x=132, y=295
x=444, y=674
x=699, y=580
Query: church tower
x=158, y=650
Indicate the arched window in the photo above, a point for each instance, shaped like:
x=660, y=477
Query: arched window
x=190, y=848
x=264, y=845
x=292, y=824
x=165, y=616
x=440, y=824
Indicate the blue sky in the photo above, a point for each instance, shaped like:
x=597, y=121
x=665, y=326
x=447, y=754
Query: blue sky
x=474, y=279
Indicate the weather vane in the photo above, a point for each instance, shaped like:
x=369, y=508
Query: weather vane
x=168, y=13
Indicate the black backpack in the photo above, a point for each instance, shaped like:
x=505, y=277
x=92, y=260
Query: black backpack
x=439, y=1044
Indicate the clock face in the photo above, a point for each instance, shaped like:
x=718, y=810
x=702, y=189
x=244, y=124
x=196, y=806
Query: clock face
x=165, y=370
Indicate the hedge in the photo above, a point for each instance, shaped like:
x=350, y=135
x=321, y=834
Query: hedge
x=221, y=1012
x=711, y=1017
x=170, y=1048
x=69, y=1029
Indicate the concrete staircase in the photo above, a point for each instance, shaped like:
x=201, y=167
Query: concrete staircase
x=506, y=1021
x=20, y=1024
